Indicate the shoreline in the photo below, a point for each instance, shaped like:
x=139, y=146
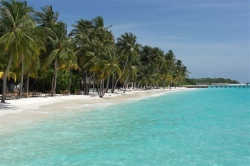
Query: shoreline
x=30, y=110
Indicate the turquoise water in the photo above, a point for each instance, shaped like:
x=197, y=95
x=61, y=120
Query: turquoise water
x=199, y=127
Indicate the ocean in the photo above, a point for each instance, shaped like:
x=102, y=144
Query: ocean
x=202, y=127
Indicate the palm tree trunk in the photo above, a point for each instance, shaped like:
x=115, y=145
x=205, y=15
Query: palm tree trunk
x=120, y=75
x=100, y=89
x=112, y=84
x=27, y=82
x=93, y=82
x=89, y=81
x=55, y=77
x=125, y=83
x=103, y=83
x=5, y=80
x=164, y=82
x=52, y=82
x=21, y=83
x=106, y=89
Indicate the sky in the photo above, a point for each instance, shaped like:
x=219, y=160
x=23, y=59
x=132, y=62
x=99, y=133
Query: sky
x=210, y=37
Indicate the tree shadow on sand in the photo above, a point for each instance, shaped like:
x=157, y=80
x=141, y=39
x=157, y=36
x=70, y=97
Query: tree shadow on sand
x=7, y=106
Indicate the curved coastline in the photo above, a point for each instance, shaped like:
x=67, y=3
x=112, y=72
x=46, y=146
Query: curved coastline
x=30, y=110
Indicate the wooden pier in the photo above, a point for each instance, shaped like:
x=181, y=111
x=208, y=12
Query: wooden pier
x=218, y=86
x=230, y=86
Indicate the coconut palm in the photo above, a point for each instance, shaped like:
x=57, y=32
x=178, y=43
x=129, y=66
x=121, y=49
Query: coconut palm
x=170, y=58
x=69, y=64
x=16, y=26
x=152, y=60
x=128, y=48
x=102, y=43
x=106, y=68
x=84, y=38
x=130, y=74
x=47, y=18
x=58, y=42
x=164, y=72
x=180, y=72
x=94, y=43
x=29, y=60
x=60, y=52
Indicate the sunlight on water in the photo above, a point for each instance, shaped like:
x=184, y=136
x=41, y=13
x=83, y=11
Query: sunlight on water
x=201, y=127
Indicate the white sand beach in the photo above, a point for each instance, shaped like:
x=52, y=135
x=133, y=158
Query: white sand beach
x=31, y=109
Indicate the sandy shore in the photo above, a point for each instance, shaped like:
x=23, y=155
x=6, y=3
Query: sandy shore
x=15, y=112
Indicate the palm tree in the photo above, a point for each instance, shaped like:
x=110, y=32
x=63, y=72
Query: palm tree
x=84, y=38
x=70, y=64
x=164, y=72
x=94, y=42
x=129, y=74
x=61, y=50
x=107, y=67
x=32, y=60
x=152, y=60
x=31, y=69
x=58, y=41
x=47, y=18
x=180, y=72
x=128, y=48
x=16, y=39
x=170, y=58
x=102, y=45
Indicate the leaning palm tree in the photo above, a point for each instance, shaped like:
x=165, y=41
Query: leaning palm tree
x=61, y=50
x=128, y=48
x=129, y=74
x=16, y=39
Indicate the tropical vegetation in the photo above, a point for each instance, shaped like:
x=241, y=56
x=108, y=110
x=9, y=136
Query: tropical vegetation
x=37, y=53
x=209, y=81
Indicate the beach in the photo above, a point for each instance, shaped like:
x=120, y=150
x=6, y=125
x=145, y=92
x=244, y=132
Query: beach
x=29, y=110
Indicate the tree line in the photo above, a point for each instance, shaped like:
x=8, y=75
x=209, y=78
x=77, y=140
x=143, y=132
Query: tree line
x=38, y=53
x=209, y=81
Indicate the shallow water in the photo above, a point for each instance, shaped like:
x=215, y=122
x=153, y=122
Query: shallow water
x=200, y=127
